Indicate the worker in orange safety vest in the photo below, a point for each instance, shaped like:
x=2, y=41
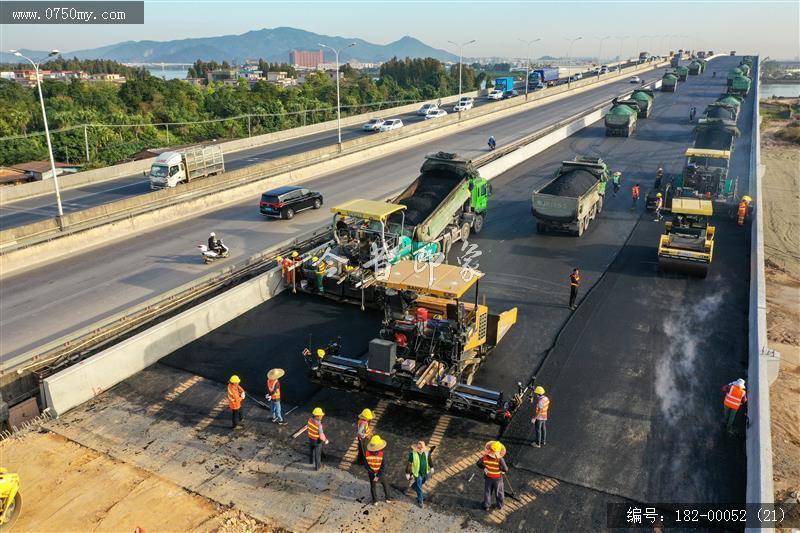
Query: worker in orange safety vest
x=376, y=468
x=744, y=205
x=363, y=433
x=542, y=403
x=735, y=396
x=493, y=466
x=274, y=394
x=316, y=437
x=235, y=397
x=634, y=196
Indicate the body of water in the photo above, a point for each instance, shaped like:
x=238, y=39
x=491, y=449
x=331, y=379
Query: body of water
x=768, y=90
x=168, y=74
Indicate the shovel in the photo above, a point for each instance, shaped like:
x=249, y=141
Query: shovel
x=510, y=491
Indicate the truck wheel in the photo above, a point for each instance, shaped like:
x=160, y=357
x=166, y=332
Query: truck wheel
x=600, y=205
x=464, y=231
x=446, y=245
x=289, y=213
x=477, y=224
x=580, y=227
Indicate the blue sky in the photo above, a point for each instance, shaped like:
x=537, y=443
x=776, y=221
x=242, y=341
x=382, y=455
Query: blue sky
x=767, y=27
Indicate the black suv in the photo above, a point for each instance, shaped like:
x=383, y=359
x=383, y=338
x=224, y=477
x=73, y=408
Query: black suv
x=284, y=202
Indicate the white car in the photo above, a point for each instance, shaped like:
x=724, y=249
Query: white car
x=391, y=124
x=436, y=113
x=426, y=108
x=464, y=104
x=373, y=125
x=496, y=94
x=635, y=79
x=577, y=76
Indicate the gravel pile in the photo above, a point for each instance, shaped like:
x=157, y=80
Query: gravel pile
x=713, y=139
x=433, y=188
x=572, y=184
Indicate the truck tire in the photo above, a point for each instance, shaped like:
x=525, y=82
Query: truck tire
x=580, y=226
x=600, y=205
x=464, y=231
x=477, y=224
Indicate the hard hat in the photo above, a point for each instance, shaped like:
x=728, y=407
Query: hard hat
x=658, y=195
x=318, y=411
x=366, y=414
x=235, y=379
x=659, y=168
x=747, y=198
x=315, y=258
x=739, y=383
x=295, y=254
x=618, y=173
x=320, y=353
x=212, y=234
x=279, y=259
x=376, y=444
x=496, y=446
x=538, y=390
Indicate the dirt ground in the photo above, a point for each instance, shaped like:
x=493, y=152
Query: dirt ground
x=55, y=472
x=781, y=188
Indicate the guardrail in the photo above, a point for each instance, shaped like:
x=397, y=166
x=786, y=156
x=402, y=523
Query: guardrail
x=75, y=346
x=760, y=488
x=47, y=230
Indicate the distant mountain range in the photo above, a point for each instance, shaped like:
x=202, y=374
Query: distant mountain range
x=272, y=45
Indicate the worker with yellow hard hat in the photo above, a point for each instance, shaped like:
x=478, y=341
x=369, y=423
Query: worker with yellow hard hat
x=376, y=468
x=744, y=206
x=659, y=206
x=316, y=437
x=235, y=398
x=493, y=466
x=363, y=433
x=539, y=420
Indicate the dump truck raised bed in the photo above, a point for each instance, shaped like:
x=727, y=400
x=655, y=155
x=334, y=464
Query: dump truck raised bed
x=434, y=336
x=687, y=244
x=669, y=83
x=571, y=200
x=444, y=205
x=171, y=168
x=740, y=86
x=682, y=72
x=644, y=98
x=621, y=120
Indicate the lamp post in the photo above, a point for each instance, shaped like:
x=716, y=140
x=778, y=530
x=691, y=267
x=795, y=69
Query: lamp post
x=619, y=58
x=638, y=40
x=46, y=127
x=569, y=55
x=460, y=61
x=600, y=51
x=528, y=63
x=338, y=102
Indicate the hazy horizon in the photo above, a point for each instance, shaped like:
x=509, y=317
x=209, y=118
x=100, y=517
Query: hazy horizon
x=748, y=27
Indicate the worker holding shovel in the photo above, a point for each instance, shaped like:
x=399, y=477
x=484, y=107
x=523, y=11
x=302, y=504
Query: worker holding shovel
x=493, y=467
x=274, y=394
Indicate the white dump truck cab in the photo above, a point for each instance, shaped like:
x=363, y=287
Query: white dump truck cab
x=168, y=170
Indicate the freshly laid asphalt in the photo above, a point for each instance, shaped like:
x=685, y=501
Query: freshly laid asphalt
x=47, y=302
x=635, y=374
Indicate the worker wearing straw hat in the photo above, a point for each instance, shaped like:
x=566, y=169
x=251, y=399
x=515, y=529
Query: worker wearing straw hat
x=494, y=466
x=376, y=467
x=274, y=394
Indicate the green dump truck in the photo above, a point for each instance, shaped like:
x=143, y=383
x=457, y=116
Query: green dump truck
x=740, y=86
x=621, y=119
x=572, y=199
x=696, y=68
x=682, y=72
x=745, y=68
x=731, y=100
x=645, y=98
x=732, y=73
x=669, y=83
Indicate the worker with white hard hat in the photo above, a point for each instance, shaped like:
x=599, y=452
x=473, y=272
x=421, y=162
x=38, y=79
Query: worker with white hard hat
x=735, y=396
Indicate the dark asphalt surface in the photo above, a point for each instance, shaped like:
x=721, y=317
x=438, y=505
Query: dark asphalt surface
x=634, y=378
x=112, y=277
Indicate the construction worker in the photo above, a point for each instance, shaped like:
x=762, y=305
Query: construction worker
x=376, y=466
x=692, y=113
x=235, y=397
x=539, y=420
x=744, y=205
x=735, y=396
x=493, y=467
x=659, y=205
x=419, y=468
x=615, y=179
x=634, y=196
x=274, y=394
x=574, y=284
x=363, y=433
x=659, y=176
x=320, y=273
x=316, y=438
x=601, y=187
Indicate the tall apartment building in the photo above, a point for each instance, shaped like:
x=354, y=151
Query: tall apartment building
x=305, y=58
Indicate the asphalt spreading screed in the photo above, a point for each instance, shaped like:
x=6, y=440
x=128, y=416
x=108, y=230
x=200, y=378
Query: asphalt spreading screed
x=573, y=184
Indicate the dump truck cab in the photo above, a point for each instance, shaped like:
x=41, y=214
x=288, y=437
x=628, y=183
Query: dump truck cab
x=687, y=244
x=434, y=335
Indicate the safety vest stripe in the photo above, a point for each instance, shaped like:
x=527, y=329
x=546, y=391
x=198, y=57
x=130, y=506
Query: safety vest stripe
x=313, y=429
x=492, y=466
x=733, y=398
x=375, y=460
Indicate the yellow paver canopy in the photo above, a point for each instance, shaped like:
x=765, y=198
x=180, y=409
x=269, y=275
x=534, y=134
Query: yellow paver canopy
x=692, y=206
x=703, y=152
x=368, y=209
x=446, y=281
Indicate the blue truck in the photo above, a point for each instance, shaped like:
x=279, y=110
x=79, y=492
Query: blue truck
x=545, y=76
x=504, y=84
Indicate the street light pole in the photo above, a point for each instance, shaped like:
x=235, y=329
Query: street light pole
x=338, y=101
x=569, y=55
x=600, y=50
x=528, y=63
x=46, y=127
x=621, y=40
x=460, y=61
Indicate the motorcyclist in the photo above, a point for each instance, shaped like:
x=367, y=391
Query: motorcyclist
x=492, y=143
x=214, y=244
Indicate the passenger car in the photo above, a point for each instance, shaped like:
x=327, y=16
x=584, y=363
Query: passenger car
x=285, y=202
x=373, y=125
x=391, y=124
x=635, y=79
x=436, y=113
x=496, y=94
x=426, y=108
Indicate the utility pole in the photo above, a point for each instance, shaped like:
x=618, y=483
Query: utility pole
x=460, y=61
x=338, y=102
x=528, y=63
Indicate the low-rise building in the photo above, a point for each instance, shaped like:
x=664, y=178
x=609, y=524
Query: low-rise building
x=40, y=170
